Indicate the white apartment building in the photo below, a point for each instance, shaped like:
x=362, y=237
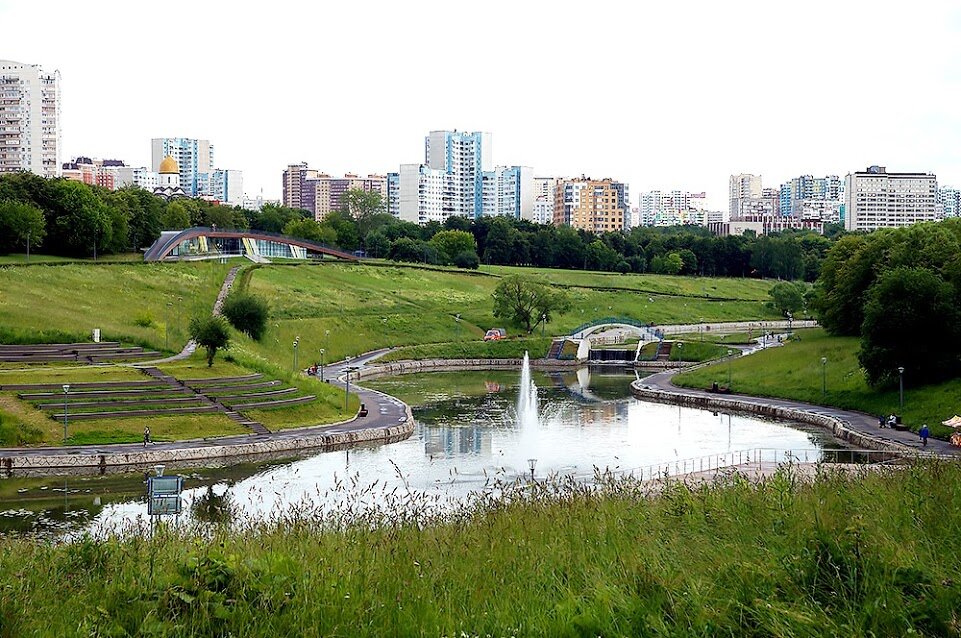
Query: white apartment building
x=876, y=199
x=29, y=119
x=542, y=211
x=421, y=194
x=509, y=191
x=674, y=208
x=743, y=186
x=464, y=157
x=949, y=202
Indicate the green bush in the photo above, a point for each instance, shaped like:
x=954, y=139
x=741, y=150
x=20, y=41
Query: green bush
x=247, y=313
x=210, y=333
x=143, y=319
x=467, y=259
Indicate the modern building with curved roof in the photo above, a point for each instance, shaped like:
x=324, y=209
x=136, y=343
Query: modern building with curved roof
x=257, y=245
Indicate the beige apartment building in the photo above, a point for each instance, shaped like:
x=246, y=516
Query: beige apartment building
x=596, y=205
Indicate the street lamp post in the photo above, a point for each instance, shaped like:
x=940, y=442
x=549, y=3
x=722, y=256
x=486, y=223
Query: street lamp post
x=532, y=463
x=296, y=343
x=790, y=320
x=66, y=391
x=543, y=321
x=167, y=326
x=323, y=355
x=327, y=340
x=347, y=387
x=901, y=387
x=824, y=377
x=680, y=356
x=729, y=353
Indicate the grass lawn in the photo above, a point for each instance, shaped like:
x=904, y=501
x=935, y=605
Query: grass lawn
x=696, y=351
x=368, y=307
x=537, y=348
x=44, y=373
x=162, y=428
x=128, y=302
x=794, y=371
x=855, y=556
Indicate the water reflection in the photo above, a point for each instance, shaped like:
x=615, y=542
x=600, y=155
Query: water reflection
x=466, y=438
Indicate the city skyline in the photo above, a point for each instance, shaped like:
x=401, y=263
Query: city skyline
x=666, y=98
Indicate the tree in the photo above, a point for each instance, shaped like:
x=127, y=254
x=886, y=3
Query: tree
x=247, y=313
x=310, y=230
x=175, y=217
x=467, y=259
x=450, y=243
x=911, y=320
x=525, y=302
x=787, y=297
x=20, y=223
x=211, y=333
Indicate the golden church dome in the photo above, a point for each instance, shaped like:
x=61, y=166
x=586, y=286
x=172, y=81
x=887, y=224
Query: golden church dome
x=169, y=165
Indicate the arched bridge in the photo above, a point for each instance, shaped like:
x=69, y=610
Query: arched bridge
x=215, y=243
x=582, y=334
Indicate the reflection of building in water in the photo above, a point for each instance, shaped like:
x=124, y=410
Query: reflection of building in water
x=604, y=413
x=457, y=441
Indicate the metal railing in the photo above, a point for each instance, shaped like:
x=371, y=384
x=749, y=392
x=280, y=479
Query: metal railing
x=758, y=458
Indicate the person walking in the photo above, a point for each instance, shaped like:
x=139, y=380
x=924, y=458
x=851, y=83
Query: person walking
x=146, y=436
x=923, y=433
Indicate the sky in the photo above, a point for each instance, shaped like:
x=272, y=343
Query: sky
x=661, y=95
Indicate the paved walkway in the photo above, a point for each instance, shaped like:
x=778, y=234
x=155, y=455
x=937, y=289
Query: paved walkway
x=859, y=421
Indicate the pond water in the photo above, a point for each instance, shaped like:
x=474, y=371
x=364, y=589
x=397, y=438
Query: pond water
x=466, y=438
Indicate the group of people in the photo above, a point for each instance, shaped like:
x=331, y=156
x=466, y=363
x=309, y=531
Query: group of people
x=892, y=420
x=312, y=370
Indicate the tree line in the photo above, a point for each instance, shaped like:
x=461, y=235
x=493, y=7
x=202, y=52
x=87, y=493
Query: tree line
x=899, y=290
x=62, y=217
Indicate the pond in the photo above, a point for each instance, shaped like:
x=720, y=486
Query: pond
x=466, y=439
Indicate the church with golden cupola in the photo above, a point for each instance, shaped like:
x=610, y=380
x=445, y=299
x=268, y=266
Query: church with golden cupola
x=169, y=187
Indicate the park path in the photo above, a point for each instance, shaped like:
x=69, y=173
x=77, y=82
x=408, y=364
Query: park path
x=858, y=421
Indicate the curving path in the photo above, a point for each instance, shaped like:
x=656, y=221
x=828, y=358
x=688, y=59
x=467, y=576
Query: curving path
x=858, y=421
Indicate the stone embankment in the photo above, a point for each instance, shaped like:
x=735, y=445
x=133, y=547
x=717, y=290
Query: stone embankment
x=321, y=439
x=837, y=426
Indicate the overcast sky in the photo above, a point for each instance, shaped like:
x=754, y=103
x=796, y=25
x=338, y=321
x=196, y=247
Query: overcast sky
x=662, y=95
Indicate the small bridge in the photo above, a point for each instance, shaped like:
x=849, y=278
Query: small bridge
x=583, y=333
x=216, y=243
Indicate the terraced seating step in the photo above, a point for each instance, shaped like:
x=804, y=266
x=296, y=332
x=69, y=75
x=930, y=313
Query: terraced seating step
x=121, y=403
x=222, y=380
x=233, y=388
x=144, y=354
x=58, y=346
x=282, y=403
x=83, y=385
x=120, y=414
x=252, y=395
x=75, y=396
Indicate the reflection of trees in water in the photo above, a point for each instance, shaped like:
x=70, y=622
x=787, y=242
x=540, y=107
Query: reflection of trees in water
x=210, y=507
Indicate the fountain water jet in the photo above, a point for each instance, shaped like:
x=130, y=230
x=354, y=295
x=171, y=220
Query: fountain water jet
x=527, y=398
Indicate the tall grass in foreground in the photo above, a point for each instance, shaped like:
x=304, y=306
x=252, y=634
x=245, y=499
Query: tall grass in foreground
x=839, y=556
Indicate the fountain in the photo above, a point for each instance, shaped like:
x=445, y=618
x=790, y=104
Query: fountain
x=527, y=398
x=527, y=419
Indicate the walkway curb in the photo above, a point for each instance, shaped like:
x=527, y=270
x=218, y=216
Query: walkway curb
x=837, y=426
x=320, y=440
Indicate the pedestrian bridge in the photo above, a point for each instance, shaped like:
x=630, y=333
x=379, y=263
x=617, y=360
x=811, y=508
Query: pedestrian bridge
x=216, y=243
x=584, y=332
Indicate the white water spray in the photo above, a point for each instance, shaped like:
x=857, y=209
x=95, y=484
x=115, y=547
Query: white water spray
x=527, y=398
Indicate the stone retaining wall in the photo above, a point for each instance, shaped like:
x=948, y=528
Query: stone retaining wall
x=837, y=426
x=443, y=365
x=320, y=440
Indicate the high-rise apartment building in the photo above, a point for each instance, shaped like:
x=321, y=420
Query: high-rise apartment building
x=949, y=202
x=596, y=205
x=805, y=196
x=509, y=191
x=294, y=178
x=421, y=194
x=194, y=157
x=875, y=198
x=543, y=207
x=29, y=119
x=674, y=208
x=743, y=186
x=322, y=193
x=464, y=158
x=393, y=194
